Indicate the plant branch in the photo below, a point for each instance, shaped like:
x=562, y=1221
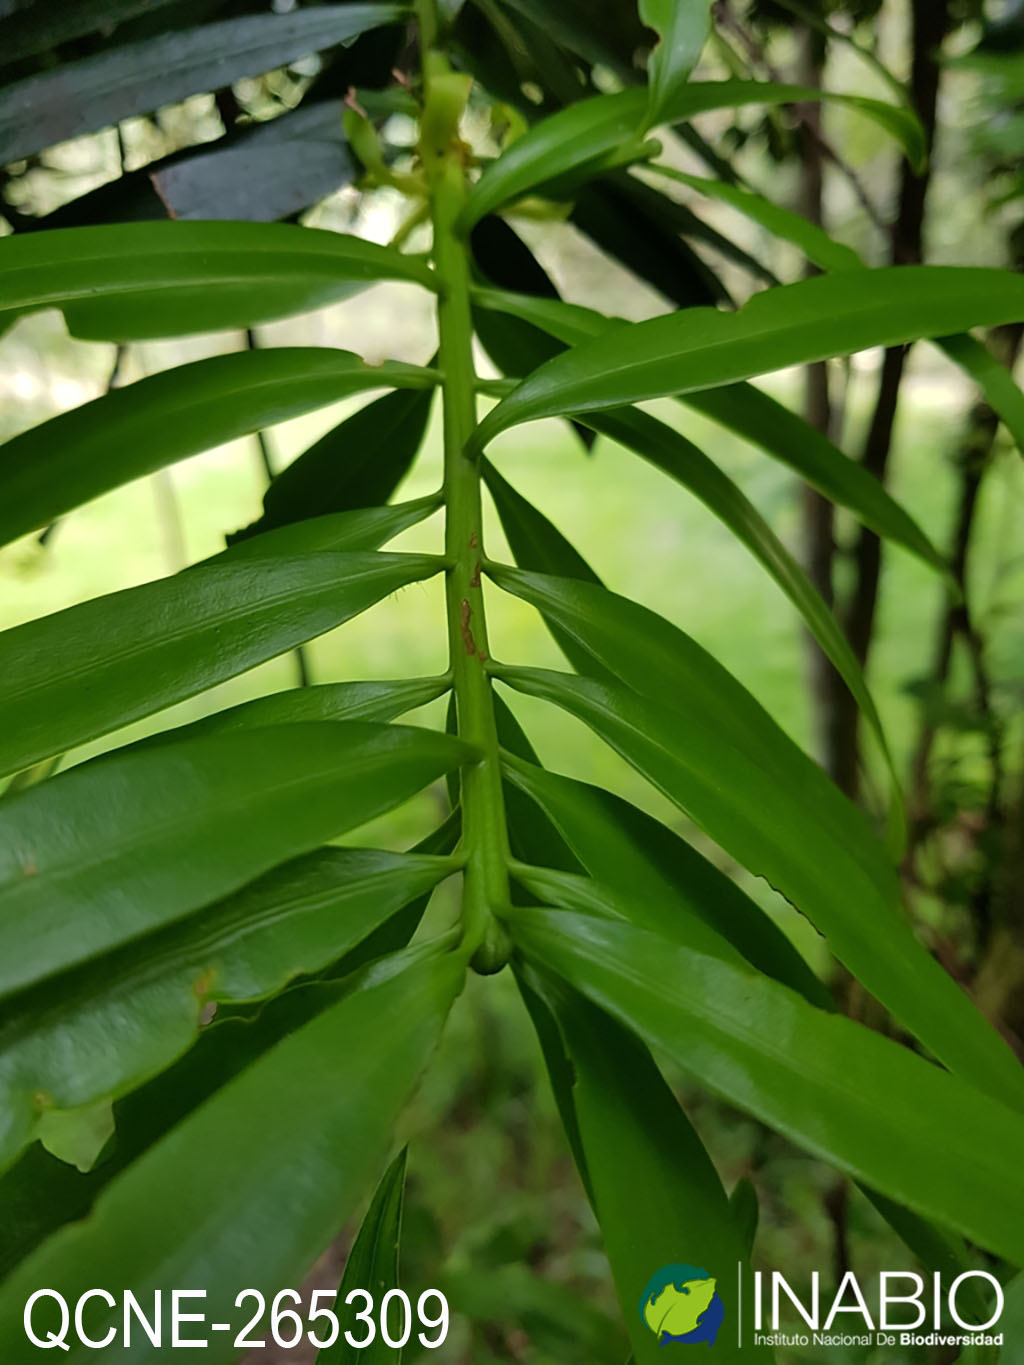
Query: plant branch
x=485, y=839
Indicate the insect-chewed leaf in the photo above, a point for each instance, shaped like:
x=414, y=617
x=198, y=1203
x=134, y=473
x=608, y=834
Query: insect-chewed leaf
x=79, y=97
x=100, y=1030
x=94, y=667
x=289, y=1145
x=59, y=464
x=793, y=325
x=773, y=823
x=138, y=281
x=764, y=1049
x=93, y=858
x=372, y=1265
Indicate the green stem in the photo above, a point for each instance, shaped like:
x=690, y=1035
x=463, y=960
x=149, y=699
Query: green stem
x=484, y=836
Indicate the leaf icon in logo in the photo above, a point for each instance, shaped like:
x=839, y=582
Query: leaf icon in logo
x=676, y=1311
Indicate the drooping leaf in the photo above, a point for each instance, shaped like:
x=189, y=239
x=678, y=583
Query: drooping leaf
x=93, y=858
x=824, y=251
x=774, y=827
x=764, y=1049
x=64, y=462
x=655, y=1191
x=756, y=417
x=94, y=667
x=359, y=463
x=688, y=465
x=31, y=26
x=99, y=1031
x=630, y=223
x=135, y=78
x=663, y=882
x=793, y=325
x=140, y=281
x=596, y=134
x=290, y=1144
x=372, y=1266
x=996, y=382
x=682, y=27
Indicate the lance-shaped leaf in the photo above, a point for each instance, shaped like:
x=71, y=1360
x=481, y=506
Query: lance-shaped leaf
x=682, y=27
x=764, y=1049
x=654, y=1188
x=99, y=1031
x=974, y=358
x=95, y=667
x=662, y=882
x=365, y=528
x=372, y=1266
x=40, y=1194
x=688, y=465
x=137, y=281
x=794, y=325
x=359, y=463
x=756, y=417
x=772, y=825
x=291, y=1145
x=377, y=701
x=135, y=78
x=595, y=134
x=51, y=468
x=93, y=858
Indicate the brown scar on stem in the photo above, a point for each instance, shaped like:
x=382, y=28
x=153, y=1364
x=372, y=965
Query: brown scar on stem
x=352, y=103
x=29, y=869
x=473, y=540
x=467, y=634
x=474, y=582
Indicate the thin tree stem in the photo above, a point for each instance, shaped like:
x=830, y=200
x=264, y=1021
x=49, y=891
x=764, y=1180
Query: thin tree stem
x=485, y=842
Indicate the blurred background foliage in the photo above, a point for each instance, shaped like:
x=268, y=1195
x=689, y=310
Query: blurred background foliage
x=495, y=1213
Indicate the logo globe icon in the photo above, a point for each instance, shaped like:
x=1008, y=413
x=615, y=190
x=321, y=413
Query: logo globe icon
x=681, y=1305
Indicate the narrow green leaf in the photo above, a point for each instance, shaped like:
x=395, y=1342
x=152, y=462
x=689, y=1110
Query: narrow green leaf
x=663, y=882
x=95, y=667
x=595, y=134
x=775, y=826
x=534, y=541
x=824, y=251
x=358, y=464
x=31, y=26
x=996, y=382
x=845, y=1093
x=372, y=1265
x=138, y=281
x=289, y=1145
x=375, y=701
x=793, y=325
x=79, y=97
x=786, y=437
x=682, y=27
x=579, y=138
x=101, y=1030
x=657, y=1196
x=51, y=468
x=746, y=1212
x=40, y=1194
x=93, y=858
x=365, y=528
x=683, y=461
x=756, y=417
